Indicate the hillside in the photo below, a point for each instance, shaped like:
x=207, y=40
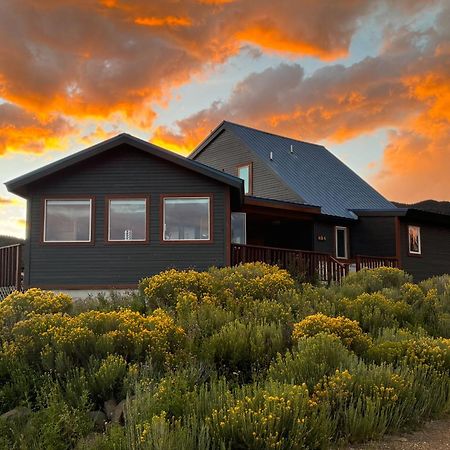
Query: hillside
x=10, y=240
x=441, y=207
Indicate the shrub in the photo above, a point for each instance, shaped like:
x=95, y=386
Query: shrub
x=377, y=279
x=348, y=331
x=242, y=346
x=311, y=359
x=375, y=311
x=162, y=290
x=20, y=305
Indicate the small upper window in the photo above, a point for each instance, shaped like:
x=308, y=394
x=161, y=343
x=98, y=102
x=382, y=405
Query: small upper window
x=127, y=219
x=414, y=242
x=341, y=242
x=245, y=173
x=68, y=220
x=186, y=219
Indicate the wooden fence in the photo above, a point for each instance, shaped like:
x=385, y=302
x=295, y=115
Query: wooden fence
x=10, y=269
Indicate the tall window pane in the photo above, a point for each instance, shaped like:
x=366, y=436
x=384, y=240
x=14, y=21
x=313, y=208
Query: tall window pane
x=238, y=228
x=186, y=218
x=244, y=172
x=127, y=220
x=67, y=221
x=414, y=243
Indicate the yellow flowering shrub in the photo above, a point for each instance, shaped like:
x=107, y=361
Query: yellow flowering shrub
x=162, y=289
x=348, y=331
x=97, y=333
x=20, y=305
x=375, y=311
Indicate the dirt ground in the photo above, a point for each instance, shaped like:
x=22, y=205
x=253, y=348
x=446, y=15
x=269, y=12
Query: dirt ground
x=434, y=435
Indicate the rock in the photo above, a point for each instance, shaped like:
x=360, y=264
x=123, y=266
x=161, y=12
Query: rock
x=99, y=419
x=119, y=411
x=16, y=413
x=109, y=406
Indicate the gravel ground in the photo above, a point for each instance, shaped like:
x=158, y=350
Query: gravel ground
x=435, y=435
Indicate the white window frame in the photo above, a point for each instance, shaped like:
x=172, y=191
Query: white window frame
x=420, y=241
x=190, y=197
x=245, y=227
x=44, y=231
x=146, y=219
x=336, y=228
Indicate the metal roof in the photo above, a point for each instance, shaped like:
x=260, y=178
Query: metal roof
x=310, y=170
x=17, y=185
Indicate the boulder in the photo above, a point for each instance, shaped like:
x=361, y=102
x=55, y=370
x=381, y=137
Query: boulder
x=16, y=413
x=99, y=419
x=109, y=407
x=119, y=411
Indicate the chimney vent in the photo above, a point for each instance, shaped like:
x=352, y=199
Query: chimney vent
x=292, y=149
x=271, y=156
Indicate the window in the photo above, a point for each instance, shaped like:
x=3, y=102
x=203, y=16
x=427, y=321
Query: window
x=245, y=172
x=414, y=242
x=127, y=219
x=186, y=219
x=238, y=228
x=341, y=242
x=67, y=220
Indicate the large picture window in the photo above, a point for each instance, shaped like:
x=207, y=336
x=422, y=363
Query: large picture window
x=127, y=219
x=186, y=219
x=414, y=241
x=341, y=242
x=68, y=220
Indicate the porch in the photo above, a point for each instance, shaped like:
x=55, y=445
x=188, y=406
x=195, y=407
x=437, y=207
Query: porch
x=322, y=267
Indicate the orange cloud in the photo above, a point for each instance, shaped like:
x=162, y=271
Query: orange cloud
x=162, y=21
x=6, y=201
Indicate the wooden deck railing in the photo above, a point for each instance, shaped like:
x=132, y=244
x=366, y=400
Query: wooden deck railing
x=373, y=262
x=10, y=269
x=315, y=265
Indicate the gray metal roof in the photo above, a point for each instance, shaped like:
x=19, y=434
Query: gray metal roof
x=311, y=171
x=17, y=185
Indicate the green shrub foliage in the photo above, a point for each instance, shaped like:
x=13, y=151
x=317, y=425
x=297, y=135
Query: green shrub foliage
x=241, y=358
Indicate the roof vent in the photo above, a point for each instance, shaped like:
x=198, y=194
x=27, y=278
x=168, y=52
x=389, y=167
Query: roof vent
x=271, y=156
x=292, y=149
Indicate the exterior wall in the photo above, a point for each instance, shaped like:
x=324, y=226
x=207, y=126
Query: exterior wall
x=326, y=229
x=123, y=170
x=435, y=257
x=374, y=236
x=227, y=152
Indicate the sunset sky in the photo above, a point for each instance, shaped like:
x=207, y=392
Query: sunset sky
x=368, y=79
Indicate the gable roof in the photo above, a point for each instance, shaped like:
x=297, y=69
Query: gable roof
x=17, y=185
x=311, y=171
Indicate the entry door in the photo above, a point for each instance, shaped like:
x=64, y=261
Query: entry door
x=341, y=240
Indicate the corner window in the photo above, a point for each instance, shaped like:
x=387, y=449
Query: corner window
x=245, y=172
x=127, y=219
x=414, y=242
x=341, y=242
x=68, y=220
x=186, y=219
x=238, y=228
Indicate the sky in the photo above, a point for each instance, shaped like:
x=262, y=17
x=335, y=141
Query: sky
x=369, y=79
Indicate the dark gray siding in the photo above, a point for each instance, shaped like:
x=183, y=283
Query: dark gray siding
x=327, y=230
x=227, y=151
x=123, y=170
x=435, y=258
x=374, y=236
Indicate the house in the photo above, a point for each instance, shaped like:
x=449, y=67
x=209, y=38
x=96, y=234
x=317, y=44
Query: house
x=109, y=215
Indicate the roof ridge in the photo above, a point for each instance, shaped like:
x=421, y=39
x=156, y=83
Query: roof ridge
x=270, y=133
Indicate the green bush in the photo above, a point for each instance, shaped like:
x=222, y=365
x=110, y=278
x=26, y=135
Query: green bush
x=348, y=331
x=376, y=279
x=312, y=358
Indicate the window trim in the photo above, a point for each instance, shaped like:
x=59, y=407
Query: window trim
x=245, y=227
x=92, y=215
x=110, y=197
x=336, y=228
x=210, y=197
x=411, y=253
x=250, y=177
